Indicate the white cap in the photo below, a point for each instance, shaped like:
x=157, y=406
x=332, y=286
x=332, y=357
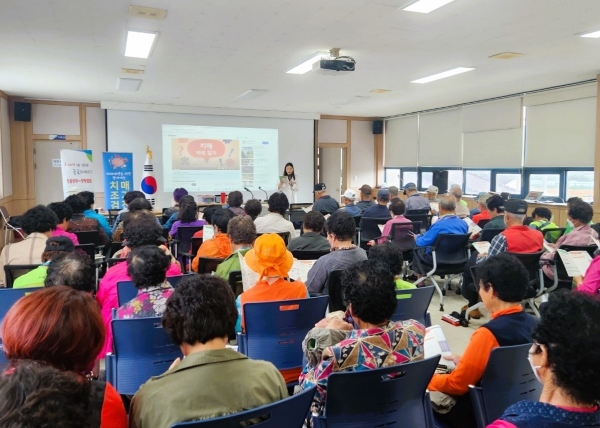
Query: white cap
x=432, y=189
x=349, y=194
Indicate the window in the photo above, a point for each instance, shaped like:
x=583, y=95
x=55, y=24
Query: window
x=547, y=183
x=426, y=179
x=392, y=177
x=409, y=177
x=580, y=184
x=455, y=176
x=478, y=181
x=510, y=183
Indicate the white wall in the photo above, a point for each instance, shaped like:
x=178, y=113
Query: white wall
x=362, y=154
x=131, y=131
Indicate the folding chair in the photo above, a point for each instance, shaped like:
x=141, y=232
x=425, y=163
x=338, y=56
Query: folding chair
x=290, y=413
x=559, y=270
x=175, y=280
x=111, y=262
x=536, y=279
x=481, y=223
x=88, y=237
x=114, y=247
x=7, y=226
x=333, y=289
x=393, y=396
x=235, y=282
x=274, y=331
x=142, y=349
x=450, y=253
x=12, y=272
x=125, y=292
x=413, y=304
x=90, y=250
x=208, y=265
x=112, y=216
x=402, y=236
x=9, y=296
x=182, y=244
x=309, y=255
x=369, y=230
x=508, y=379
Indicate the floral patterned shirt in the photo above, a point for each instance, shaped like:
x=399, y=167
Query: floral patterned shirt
x=150, y=302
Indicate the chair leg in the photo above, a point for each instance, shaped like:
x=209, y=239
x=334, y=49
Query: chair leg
x=532, y=305
x=439, y=291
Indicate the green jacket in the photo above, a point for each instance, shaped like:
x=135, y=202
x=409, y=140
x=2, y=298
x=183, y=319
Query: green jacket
x=206, y=385
x=230, y=264
x=33, y=278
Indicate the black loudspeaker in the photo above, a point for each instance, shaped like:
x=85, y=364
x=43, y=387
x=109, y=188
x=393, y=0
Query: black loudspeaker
x=440, y=179
x=378, y=127
x=23, y=112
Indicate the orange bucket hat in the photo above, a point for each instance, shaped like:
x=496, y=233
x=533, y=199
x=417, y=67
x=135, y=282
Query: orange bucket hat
x=269, y=257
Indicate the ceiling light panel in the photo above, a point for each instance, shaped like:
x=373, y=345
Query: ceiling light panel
x=443, y=75
x=139, y=43
x=306, y=66
x=594, y=35
x=426, y=6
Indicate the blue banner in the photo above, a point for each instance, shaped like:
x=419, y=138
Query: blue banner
x=118, y=178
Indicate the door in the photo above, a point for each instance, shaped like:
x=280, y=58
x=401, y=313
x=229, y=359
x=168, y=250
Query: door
x=332, y=166
x=48, y=174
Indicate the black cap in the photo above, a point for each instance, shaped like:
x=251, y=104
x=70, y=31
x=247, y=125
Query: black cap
x=59, y=243
x=319, y=187
x=515, y=206
x=495, y=202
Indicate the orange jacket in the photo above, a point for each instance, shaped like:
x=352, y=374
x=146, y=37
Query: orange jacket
x=218, y=247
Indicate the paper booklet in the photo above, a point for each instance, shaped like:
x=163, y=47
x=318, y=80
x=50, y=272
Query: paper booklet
x=473, y=228
x=299, y=271
x=209, y=232
x=576, y=262
x=380, y=226
x=307, y=209
x=482, y=247
x=548, y=247
x=436, y=344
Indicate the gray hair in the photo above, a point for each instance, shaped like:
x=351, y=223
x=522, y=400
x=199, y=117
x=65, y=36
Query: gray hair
x=518, y=217
x=457, y=192
x=448, y=203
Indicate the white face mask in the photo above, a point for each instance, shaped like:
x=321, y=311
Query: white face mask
x=535, y=370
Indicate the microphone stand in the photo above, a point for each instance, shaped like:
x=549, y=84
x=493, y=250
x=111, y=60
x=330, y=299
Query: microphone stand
x=266, y=194
x=248, y=190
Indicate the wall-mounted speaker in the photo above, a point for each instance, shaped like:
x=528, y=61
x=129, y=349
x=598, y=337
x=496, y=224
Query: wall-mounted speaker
x=440, y=179
x=378, y=127
x=22, y=112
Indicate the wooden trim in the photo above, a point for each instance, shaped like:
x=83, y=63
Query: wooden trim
x=3, y=95
x=340, y=145
x=330, y=117
x=83, y=126
x=91, y=104
x=315, y=152
x=37, y=137
x=56, y=103
x=30, y=159
x=379, y=170
x=348, y=153
x=597, y=154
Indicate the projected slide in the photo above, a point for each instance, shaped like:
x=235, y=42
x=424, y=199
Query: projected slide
x=215, y=159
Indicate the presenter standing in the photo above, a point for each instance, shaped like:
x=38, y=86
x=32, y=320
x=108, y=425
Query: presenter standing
x=287, y=183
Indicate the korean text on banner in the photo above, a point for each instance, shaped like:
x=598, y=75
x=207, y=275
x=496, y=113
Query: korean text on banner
x=77, y=170
x=118, y=178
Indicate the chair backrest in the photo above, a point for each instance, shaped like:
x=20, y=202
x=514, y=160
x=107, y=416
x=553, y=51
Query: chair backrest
x=553, y=234
x=284, y=235
x=333, y=288
x=275, y=330
x=114, y=247
x=393, y=396
x=401, y=234
x=309, y=255
x=175, y=280
x=418, y=212
x=112, y=216
x=297, y=215
x=424, y=218
x=370, y=229
x=112, y=262
x=196, y=243
x=89, y=249
x=125, y=292
x=508, y=379
x=184, y=236
x=489, y=234
x=9, y=296
x=208, y=265
x=452, y=249
x=12, y=272
x=481, y=223
x=235, y=281
x=88, y=237
x=142, y=349
x=290, y=413
x=531, y=261
x=413, y=304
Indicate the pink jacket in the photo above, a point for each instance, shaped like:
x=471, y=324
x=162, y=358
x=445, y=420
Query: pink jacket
x=59, y=232
x=107, y=297
x=591, y=281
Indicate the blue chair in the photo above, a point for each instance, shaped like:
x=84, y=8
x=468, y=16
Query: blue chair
x=508, y=379
x=290, y=413
x=415, y=305
x=142, y=349
x=127, y=291
x=274, y=331
x=9, y=296
x=372, y=398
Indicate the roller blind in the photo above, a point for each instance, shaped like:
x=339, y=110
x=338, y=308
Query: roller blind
x=440, y=138
x=503, y=114
x=493, y=149
x=561, y=134
x=401, y=142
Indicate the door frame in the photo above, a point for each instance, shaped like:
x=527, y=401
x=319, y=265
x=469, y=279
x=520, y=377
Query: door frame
x=34, y=163
x=345, y=177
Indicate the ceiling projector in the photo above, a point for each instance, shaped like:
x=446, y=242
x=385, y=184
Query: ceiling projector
x=335, y=65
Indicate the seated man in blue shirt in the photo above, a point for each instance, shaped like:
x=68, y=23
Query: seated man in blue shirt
x=380, y=209
x=448, y=223
x=89, y=212
x=324, y=203
x=348, y=199
x=414, y=201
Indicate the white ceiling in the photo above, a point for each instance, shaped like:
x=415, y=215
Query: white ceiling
x=211, y=51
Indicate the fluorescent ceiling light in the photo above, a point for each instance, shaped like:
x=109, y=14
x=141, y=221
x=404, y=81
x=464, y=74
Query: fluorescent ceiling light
x=250, y=94
x=139, y=43
x=443, y=75
x=594, y=35
x=426, y=6
x=350, y=100
x=306, y=66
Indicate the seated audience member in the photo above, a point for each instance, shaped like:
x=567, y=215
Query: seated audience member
x=393, y=192
x=368, y=287
x=380, y=209
x=495, y=206
x=483, y=214
x=565, y=359
x=88, y=198
x=73, y=270
x=542, y=219
x=569, y=226
x=448, y=223
x=187, y=217
x=179, y=195
x=390, y=255
x=502, y=283
x=274, y=221
x=311, y=238
x=141, y=229
x=590, y=283
x=397, y=209
x=457, y=192
x=414, y=201
x=272, y=262
x=137, y=204
x=324, y=203
x=365, y=198
x=253, y=208
x=431, y=194
x=341, y=228
x=242, y=233
x=34, y=394
x=580, y=214
x=81, y=223
x=127, y=198
x=462, y=212
x=206, y=216
x=64, y=213
x=147, y=266
x=219, y=247
x=199, y=317
x=348, y=199
x=235, y=200
x=56, y=246
x=62, y=327
x=38, y=223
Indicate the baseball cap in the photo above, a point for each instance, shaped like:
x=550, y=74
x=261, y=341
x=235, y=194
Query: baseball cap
x=482, y=197
x=383, y=195
x=461, y=211
x=59, y=243
x=409, y=186
x=392, y=189
x=349, y=194
x=432, y=189
x=366, y=189
x=515, y=206
x=495, y=202
x=269, y=257
x=319, y=187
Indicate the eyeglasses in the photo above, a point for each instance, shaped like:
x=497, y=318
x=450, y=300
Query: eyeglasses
x=538, y=348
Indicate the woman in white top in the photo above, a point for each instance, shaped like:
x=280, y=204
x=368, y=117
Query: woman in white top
x=288, y=184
